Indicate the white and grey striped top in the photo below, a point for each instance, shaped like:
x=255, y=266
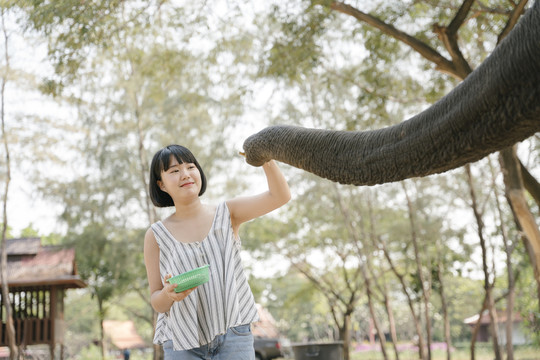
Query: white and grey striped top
x=223, y=302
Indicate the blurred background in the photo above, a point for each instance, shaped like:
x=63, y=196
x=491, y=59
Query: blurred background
x=426, y=268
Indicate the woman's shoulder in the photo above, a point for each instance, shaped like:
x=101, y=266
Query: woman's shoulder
x=149, y=236
x=156, y=233
x=153, y=228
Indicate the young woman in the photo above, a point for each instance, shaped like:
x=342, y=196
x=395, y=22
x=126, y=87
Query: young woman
x=211, y=321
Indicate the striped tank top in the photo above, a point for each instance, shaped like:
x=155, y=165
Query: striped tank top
x=223, y=302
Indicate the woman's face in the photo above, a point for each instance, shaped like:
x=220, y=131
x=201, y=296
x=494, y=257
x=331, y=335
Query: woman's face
x=180, y=180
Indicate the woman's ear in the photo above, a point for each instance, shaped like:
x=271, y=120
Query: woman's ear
x=161, y=186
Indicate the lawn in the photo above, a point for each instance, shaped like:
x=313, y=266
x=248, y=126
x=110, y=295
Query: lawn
x=460, y=353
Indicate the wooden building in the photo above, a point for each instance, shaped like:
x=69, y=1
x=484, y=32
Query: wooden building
x=519, y=336
x=38, y=277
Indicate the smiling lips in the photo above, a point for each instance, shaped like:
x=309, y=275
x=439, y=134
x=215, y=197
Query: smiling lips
x=187, y=184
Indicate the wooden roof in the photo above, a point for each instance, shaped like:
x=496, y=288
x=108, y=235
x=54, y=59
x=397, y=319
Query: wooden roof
x=24, y=246
x=32, y=264
x=485, y=319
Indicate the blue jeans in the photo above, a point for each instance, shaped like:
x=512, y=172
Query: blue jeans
x=236, y=344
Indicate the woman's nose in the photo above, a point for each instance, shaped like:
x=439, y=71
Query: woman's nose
x=184, y=174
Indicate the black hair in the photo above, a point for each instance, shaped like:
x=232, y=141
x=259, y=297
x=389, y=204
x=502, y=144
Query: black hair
x=161, y=162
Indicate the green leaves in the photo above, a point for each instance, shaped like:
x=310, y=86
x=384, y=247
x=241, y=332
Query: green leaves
x=295, y=50
x=74, y=29
x=109, y=265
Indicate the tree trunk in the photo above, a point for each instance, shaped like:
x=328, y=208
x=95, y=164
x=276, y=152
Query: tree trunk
x=10, y=327
x=534, y=263
x=416, y=321
x=444, y=305
x=494, y=325
x=476, y=328
x=144, y=171
x=488, y=285
x=531, y=184
x=514, y=191
x=355, y=240
x=150, y=209
x=332, y=296
x=426, y=288
x=101, y=330
x=510, y=315
x=376, y=323
x=143, y=163
x=391, y=323
x=383, y=288
x=508, y=249
x=345, y=335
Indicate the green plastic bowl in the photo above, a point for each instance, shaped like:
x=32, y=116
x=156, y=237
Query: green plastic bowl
x=191, y=278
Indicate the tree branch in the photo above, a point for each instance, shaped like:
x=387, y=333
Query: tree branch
x=449, y=37
x=460, y=17
x=513, y=19
x=441, y=63
x=320, y=283
x=514, y=191
x=530, y=183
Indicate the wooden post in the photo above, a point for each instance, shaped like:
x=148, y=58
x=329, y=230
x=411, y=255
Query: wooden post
x=53, y=302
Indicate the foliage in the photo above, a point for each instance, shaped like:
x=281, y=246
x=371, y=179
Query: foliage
x=300, y=310
x=133, y=85
x=82, y=329
x=296, y=52
x=89, y=352
x=73, y=28
x=526, y=308
x=8, y=232
x=107, y=275
x=364, y=52
x=139, y=75
x=461, y=352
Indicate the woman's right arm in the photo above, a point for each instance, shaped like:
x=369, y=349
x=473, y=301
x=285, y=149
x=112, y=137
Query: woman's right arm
x=161, y=297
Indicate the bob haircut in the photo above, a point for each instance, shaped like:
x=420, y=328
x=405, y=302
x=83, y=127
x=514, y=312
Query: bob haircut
x=161, y=162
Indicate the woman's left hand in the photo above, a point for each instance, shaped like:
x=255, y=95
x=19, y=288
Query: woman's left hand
x=168, y=289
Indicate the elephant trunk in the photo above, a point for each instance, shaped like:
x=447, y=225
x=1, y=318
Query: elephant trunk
x=496, y=106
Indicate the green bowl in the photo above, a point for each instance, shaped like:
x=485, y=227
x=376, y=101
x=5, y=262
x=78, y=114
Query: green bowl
x=191, y=278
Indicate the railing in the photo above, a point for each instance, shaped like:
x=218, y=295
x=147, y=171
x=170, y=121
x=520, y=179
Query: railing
x=30, y=331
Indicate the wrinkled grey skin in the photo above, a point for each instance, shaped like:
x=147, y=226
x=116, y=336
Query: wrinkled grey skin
x=496, y=106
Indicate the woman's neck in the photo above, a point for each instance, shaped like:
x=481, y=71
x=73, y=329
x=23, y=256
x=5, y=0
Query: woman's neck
x=188, y=209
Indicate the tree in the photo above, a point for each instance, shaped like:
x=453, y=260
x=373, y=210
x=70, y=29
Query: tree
x=509, y=247
x=458, y=65
x=337, y=278
x=313, y=23
x=10, y=328
x=489, y=302
x=110, y=276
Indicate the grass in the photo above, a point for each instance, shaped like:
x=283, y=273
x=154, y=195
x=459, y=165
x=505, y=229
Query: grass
x=461, y=353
